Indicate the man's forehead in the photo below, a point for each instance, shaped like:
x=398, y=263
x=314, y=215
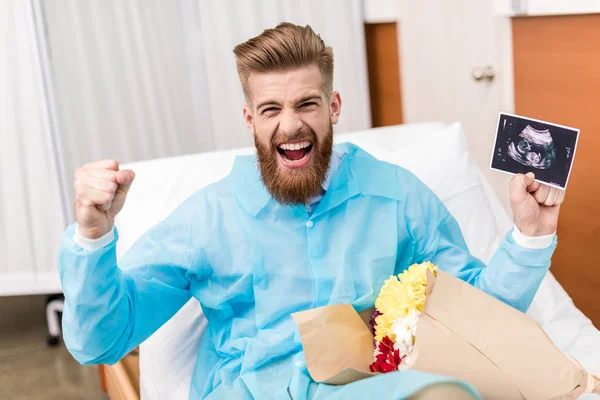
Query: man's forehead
x=287, y=85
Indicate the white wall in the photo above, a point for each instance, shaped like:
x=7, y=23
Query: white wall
x=545, y=7
x=380, y=11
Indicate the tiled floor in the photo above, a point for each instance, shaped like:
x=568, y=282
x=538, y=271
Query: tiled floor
x=29, y=369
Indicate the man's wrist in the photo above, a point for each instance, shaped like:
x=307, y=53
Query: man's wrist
x=532, y=242
x=93, y=244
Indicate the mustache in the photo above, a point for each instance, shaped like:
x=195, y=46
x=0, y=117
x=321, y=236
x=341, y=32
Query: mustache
x=280, y=137
x=294, y=187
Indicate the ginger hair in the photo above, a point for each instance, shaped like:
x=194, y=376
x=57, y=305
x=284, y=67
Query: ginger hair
x=285, y=47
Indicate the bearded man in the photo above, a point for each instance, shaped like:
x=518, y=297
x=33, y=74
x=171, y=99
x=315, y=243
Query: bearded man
x=303, y=224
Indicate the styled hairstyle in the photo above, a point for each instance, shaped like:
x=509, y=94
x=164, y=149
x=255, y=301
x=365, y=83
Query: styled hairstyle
x=287, y=46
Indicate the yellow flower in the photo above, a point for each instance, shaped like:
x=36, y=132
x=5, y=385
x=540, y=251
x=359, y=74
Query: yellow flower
x=399, y=295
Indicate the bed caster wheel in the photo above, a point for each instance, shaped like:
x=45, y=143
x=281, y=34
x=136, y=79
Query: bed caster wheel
x=52, y=340
x=54, y=309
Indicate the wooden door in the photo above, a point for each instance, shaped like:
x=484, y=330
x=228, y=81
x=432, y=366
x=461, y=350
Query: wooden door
x=441, y=44
x=384, y=73
x=557, y=78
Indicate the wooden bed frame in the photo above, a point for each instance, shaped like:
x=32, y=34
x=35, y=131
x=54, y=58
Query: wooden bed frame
x=122, y=380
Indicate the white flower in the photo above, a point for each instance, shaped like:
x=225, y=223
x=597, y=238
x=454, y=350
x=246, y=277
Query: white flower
x=376, y=352
x=405, y=328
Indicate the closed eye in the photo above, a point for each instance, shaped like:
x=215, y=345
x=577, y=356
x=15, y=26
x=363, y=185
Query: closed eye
x=270, y=110
x=308, y=104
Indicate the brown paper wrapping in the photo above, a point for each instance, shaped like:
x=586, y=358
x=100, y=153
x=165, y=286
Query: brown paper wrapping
x=462, y=333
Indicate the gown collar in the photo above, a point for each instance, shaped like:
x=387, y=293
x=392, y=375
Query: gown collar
x=352, y=172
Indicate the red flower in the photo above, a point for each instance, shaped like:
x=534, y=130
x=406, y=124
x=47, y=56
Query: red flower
x=388, y=358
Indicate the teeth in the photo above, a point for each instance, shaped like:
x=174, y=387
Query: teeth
x=295, y=146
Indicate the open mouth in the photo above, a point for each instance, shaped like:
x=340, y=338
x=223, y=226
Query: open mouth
x=295, y=154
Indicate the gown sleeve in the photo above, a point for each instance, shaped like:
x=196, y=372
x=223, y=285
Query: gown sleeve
x=110, y=309
x=513, y=274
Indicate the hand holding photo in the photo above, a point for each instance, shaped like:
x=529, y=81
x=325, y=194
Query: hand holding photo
x=528, y=145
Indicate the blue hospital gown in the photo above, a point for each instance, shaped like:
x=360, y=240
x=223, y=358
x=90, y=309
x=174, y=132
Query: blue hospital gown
x=251, y=261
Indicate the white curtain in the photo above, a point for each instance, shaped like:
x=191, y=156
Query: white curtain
x=145, y=79
x=132, y=80
x=226, y=23
x=31, y=217
x=122, y=73
x=129, y=80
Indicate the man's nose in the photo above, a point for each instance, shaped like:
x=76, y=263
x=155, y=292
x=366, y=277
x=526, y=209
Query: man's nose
x=290, y=123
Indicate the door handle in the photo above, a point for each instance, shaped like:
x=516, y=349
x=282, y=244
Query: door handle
x=483, y=74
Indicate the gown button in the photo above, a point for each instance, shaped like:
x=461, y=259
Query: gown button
x=309, y=224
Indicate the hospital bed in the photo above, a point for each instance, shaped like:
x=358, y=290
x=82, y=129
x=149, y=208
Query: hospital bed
x=437, y=153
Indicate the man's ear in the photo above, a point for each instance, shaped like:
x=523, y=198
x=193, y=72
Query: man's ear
x=248, y=116
x=335, y=107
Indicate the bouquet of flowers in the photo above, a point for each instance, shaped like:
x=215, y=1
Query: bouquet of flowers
x=394, y=322
x=428, y=320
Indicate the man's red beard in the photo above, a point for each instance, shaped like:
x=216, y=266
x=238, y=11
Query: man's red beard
x=295, y=186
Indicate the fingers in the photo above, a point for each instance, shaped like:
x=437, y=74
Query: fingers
x=519, y=185
x=99, y=179
x=523, y=185
x=91, y=197
x=535, y=185
x=125, y=177
x=552, y=196
x=96, y=186
x=529, y=178
x=555, y=197
x=541, y=194
x=101, y=173
x=103, y=185
x=122, y=177
x=549, y=196
x=103, y=164
x=561, y=197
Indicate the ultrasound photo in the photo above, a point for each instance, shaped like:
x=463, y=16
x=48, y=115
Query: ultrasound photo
x=527, y=145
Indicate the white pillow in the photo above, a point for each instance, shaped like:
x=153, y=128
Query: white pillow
x=161, y=185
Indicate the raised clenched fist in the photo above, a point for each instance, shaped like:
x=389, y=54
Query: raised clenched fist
x=100, y=191
x=535, y=205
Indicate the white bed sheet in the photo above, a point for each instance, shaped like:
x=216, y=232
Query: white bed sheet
x=435, y=152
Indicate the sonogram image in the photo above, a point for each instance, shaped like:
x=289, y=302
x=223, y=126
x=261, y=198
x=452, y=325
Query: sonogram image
x=527, y=145
x=534, y=149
